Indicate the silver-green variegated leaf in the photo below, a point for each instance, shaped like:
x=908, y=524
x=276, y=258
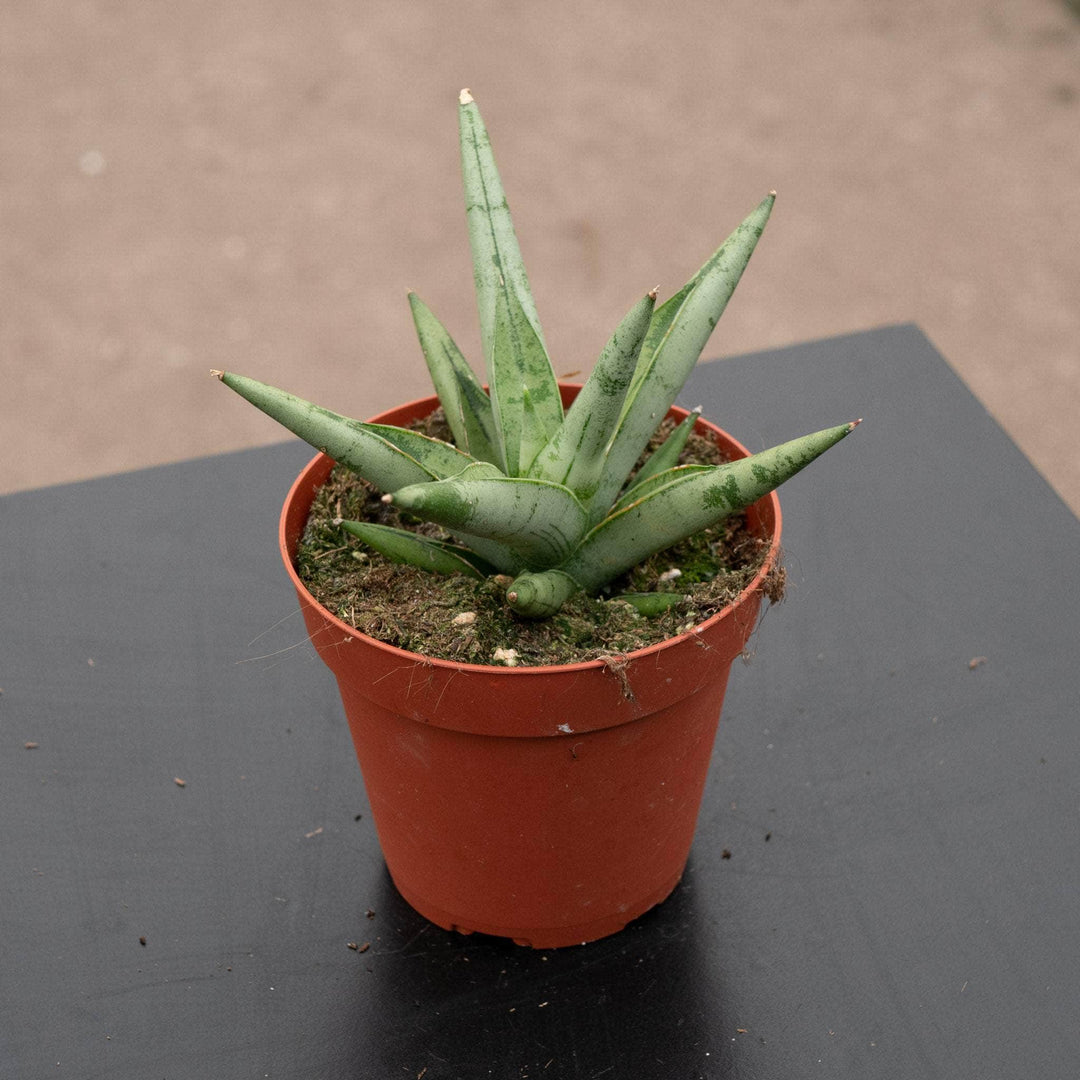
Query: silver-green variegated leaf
x=540, y=521
x=535, y=434
x=503, y=558
x=524, y=394
x=692, y=500
x=659, y=325
x=670, y=353
x=574, y=456
x=467, y=407
x=497, y=262
x=531, y=492
x=423, y=552
x=388, y=457
x=515, y=354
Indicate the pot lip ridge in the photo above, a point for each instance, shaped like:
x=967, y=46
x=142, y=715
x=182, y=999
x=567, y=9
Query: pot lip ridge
x=303, y=485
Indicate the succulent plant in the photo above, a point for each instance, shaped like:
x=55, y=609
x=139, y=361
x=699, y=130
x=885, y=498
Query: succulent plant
x=528, y=490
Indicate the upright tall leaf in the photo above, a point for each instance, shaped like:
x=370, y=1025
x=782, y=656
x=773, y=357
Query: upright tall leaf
x=669, y=354
x=508, y=318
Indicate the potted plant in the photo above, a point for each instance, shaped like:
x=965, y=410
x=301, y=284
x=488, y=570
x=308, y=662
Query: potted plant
x=547, y=802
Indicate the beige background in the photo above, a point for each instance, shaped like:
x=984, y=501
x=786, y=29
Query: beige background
x=254, y=185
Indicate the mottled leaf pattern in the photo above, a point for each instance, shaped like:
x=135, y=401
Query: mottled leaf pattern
x=528, y=491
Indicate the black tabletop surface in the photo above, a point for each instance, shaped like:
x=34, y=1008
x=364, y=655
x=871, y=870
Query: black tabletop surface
x=886, y=875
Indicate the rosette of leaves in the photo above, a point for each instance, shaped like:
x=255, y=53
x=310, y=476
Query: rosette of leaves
x=530, y=490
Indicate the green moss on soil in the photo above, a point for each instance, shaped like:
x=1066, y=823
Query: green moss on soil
x=416, y=611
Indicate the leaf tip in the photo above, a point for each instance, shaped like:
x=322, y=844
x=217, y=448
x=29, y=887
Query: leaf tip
x=219, y=375
x=854, y=424
x=388, y=498
x=465, y=98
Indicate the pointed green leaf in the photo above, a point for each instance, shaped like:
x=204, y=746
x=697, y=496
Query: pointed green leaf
x=666, y=513
x=467, y=407
x=574, y=456
x=669, y=354
x=514, y=351
x=540, y=521
x=402, y=546
x=386, y=456
x=666, y=456
x=659, y=325
x=497, y=262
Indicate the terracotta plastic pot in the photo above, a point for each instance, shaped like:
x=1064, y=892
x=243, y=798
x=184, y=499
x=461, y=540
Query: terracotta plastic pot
x=551, y=805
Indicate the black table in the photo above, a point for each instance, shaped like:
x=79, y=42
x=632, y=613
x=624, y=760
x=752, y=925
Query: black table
x=187, y=850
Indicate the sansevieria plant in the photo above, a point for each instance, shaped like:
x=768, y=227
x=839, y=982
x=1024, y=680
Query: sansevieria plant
x=530, y=491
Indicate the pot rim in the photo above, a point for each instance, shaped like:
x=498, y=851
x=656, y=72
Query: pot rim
x=431, y=402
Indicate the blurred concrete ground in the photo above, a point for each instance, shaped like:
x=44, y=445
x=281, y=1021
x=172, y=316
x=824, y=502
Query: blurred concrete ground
x=254, y=185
